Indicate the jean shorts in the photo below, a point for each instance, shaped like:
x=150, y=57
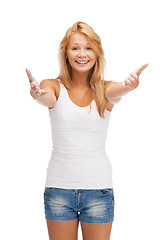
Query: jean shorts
x=87, y=205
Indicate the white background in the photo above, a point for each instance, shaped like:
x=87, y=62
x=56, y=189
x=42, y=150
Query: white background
x=133, y=33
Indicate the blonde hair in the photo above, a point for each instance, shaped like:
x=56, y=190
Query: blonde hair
x=96, y=78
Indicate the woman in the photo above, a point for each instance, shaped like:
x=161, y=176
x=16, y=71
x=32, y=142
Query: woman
x=79, y=175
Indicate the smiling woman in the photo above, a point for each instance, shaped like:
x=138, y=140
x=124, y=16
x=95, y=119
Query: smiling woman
x=79, y=184
x=80, y=55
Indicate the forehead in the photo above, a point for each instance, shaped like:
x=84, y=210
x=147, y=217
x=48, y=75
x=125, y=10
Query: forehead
x=79, y=38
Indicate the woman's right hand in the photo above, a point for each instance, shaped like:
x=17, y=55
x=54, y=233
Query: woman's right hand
x=35, y=89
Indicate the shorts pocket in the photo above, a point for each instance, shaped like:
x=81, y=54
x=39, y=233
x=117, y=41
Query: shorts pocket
x=106, y=191
x=49, y=190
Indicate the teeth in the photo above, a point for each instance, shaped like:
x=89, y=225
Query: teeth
x=82, y=62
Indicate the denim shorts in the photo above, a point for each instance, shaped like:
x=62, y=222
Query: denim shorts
x=87, y=205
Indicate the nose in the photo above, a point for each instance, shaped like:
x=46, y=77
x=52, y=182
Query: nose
x=82, y=53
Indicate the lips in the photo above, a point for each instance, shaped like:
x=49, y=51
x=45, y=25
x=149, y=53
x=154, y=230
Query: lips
x=82, y=62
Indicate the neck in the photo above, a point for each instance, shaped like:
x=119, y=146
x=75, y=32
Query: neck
x=80, y=80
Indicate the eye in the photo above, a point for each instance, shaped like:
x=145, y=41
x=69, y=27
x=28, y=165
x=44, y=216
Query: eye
x=89, y=48
x=74, y=48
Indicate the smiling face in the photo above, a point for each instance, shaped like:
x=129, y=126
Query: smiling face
x=80, y=54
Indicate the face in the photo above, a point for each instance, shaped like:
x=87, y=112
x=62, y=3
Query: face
x=80, y=54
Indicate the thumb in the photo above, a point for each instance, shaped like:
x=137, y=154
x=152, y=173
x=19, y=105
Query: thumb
x=139, y=70
x=31, y=78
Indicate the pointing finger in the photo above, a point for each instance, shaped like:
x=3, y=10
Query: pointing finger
x=139, y=70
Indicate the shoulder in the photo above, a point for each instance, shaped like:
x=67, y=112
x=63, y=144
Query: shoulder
x=51, y=84
x=107, y=83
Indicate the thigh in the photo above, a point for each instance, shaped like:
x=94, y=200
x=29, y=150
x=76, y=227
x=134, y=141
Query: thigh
x=63, y=230
x=91, y=231
x=60, y=213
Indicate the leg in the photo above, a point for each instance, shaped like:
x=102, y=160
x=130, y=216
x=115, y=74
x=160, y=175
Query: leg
x=92, y=231
x=63, y=230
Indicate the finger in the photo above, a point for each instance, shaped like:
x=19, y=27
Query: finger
x=134, y=75
x=131, y=78
x=31, y=78
x=34, y=86
x=43, y=93
x=128, y=81
x=38, y=91
x=123, y=84
x=139, y=70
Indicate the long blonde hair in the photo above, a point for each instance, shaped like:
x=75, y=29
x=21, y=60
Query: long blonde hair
x=96, y=78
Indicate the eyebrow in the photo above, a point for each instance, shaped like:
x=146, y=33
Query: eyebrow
x=78, y=44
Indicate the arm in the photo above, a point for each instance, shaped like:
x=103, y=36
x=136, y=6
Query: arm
x=115, y=90
x=43, y=94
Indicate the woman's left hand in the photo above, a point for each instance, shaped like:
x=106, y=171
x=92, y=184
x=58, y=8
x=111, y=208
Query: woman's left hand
x=132, y=81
